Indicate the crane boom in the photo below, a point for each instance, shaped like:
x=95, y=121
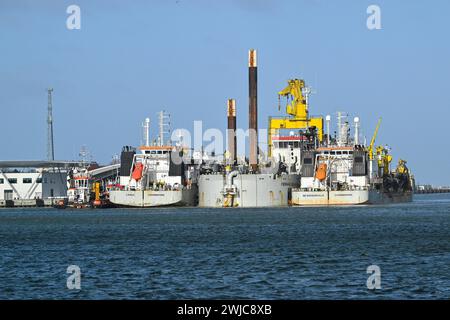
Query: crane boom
x=372, y=142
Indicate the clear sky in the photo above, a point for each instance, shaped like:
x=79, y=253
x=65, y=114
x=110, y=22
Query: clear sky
x=132, y=58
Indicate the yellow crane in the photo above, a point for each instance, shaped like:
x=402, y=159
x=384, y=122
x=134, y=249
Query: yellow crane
x=384, y=159
x=297, y=109
x=401, y=167
x=372, y=142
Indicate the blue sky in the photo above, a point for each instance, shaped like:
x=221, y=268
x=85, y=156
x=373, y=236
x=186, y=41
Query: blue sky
x=132, y=58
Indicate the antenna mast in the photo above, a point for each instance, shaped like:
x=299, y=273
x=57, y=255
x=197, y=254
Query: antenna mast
x=50, y=146
x=164, y=126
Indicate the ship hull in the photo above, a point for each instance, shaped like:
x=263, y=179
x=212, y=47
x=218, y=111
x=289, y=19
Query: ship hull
x=150, y=198
x=253, y=190
x=354, y=197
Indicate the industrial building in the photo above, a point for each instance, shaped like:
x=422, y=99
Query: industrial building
x=33, y=183
x=28, y=185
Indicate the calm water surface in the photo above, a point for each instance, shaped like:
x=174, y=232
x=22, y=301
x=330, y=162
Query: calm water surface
x=179, y=253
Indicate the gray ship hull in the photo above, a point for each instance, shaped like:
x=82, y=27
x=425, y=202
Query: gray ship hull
x=252, y=190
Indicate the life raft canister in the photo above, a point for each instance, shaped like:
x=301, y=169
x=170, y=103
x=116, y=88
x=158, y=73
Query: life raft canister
x=321, y=172
x=137, y=172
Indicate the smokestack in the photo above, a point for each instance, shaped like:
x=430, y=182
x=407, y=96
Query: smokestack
x=328, y=120
x=232, y=145
x=356, y=120
x=147, y=132
x=253, y=108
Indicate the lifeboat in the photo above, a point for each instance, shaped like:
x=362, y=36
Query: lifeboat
x=321, y=172
x=137, y=172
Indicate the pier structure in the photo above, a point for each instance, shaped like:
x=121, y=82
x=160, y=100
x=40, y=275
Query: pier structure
x=425, y=189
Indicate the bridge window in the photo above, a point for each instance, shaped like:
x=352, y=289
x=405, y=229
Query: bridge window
x=27, y=180
x=12, y=180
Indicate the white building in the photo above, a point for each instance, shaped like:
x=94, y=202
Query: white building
x=33, y=184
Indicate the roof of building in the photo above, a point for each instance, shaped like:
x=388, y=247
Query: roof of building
x=40, y=164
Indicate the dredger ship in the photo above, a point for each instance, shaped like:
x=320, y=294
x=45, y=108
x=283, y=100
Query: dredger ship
x=157, y=175
x=248, y=183
x=338, y=170
x=341, y=171
x=304, y=166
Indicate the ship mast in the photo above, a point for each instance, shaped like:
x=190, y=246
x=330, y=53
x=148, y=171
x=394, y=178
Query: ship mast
x=164, y=126
x=50, y=146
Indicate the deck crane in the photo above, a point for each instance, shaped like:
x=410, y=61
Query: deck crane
x=296, y=94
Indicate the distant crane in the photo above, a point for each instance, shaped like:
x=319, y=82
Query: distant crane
x=50, y=146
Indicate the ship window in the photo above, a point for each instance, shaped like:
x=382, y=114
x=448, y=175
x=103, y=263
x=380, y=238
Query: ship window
x=147, y=152
x=12, y=180
x=358, y=159
x=26, y=180
x=296, y=144
x=2, y=181
x=332, y=152
x=39, y=180
x=307, y=161
x=350, y=152
x=338, y=152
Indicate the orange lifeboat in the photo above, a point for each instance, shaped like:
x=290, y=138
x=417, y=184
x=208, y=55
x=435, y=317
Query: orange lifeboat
x=321, y=172
x=137, y=172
